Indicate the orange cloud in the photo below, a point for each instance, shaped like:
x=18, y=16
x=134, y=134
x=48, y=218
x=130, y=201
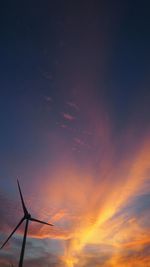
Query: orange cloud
x=89, y=208
x=89, y=204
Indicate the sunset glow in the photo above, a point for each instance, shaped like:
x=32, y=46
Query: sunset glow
x=75, y=134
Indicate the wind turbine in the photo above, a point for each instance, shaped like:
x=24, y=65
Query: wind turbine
x=27, y=217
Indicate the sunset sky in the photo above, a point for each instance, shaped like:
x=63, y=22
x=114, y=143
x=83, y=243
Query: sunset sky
x=75, y=131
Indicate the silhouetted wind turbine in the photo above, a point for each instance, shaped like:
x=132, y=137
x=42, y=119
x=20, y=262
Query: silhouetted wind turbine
x=27, y=217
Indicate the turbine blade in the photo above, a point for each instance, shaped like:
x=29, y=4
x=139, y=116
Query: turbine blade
x=35, y=220
x=22, y=201
x=12, y=233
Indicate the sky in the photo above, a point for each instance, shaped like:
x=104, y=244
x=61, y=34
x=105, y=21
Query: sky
x=75, y=131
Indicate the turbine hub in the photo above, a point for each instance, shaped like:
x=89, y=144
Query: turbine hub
x=28, y=216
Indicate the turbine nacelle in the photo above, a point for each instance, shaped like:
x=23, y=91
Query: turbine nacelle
x=27, y=216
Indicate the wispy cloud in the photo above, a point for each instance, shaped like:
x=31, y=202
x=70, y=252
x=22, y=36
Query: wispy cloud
x=73, y=105
x=48, y=99
x=68, y=117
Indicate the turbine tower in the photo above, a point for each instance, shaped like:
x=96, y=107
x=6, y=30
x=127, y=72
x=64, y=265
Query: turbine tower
x=27, y=217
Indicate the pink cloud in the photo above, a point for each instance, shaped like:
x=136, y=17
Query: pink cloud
x=68, y=117
x=79, y=141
